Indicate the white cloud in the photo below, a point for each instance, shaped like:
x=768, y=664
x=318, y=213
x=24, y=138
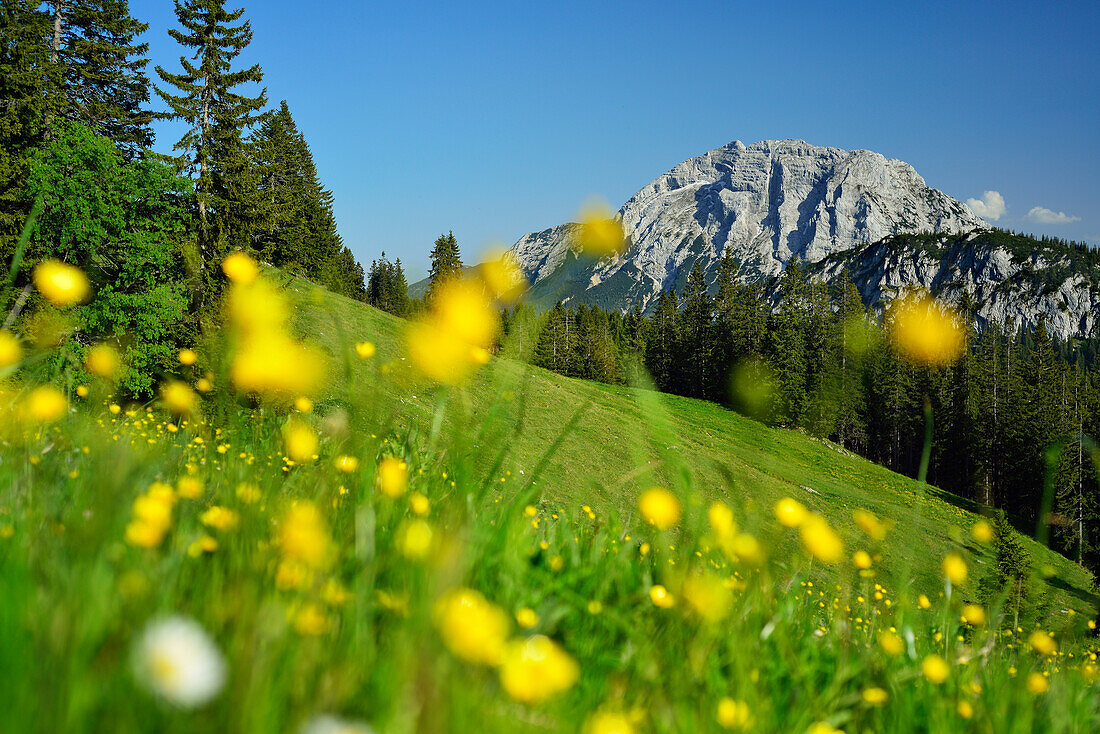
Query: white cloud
x=1042, y=215
x=990, y=207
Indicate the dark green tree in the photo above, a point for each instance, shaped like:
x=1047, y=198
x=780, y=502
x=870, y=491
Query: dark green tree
x=387, y=288
x=446, y=262
x=212, y=148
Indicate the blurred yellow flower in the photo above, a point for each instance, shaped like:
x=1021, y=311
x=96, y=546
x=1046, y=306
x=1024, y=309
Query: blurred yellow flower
x=300, y=441
x=472, y=627
x=733, y=714
x=1042, y=643
x=790, y=512
x=303, y=536
x=965, y=709
x=536, y=669
x=62, y=284
x=248, y=493
x=974, y=615
x=708, y=596
x=890, y=643
x=1037, y=683
x=954, y=568
x=502, y=275
x=303, y=404
x=240, y=268
x=820, y=539
x=103, y=361
x=11, y=350
x=82, y=391
x=869, y=524
x=220, y=518
x=365, y=350
x=926, y=331
x=45, y=404
x=861, y=559
x=748, y=549
x=416, y=540
x=599, y=233
x=453, y=339
x=189, y=488
x=659, y=508
x=982, y=531
x=311, y=621
x=720, y=517
x=923, y=602
x=346, y=464
x=875, y=696
x=608, y=722
x=392, y=477
x=188, y=357
x=935, y=668
x=419, y=504
x=179, y=398
x=526, y=618
x=660, y=597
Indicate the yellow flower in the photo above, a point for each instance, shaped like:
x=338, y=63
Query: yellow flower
x=974, y=615
x=62, y=284
x=869, y=524
x=733, y=714
x=708, y=596
x=274, y=364
x=472, y=627
x=1042, y=643
x=417, y=540
x=347, y=464
x=188, y=357
x=502, y=275
x=46, y=404
x=455, y=336
x=861, y=559
x=248, y=493
x=311, y=621
x=720, y=517
x=303, y=404
x=790, y=512
x=419, y=504
x=821, y=540
x=954, y=568
x=608, y=722
x=240, y=268
x=1037, y=683
x=152, y=516
x=205, y=544
x=748, y=549
x=221, y=518
x=659, y=508
x=82, y=391
x=392, y=477
x=923, y=602
x=890, y=643
x=982, y=531
x=300, y=440
x=926, y=331
x=935, y=668
x=536, y=669
x=189, y=488
x=526, y=618
x=965, y=709
x=660, y=597
x=875, y=696
x=823, y=727
x=179, y=398
x=11, y=351
x=599, y=233
x=303, y=536
x=203, y=384
x=365, y=350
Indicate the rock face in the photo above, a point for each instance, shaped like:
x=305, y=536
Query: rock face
x=1011, y=279
x=765, y=203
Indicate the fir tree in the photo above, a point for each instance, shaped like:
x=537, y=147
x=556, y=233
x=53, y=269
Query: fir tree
x=446, y=263
x=216, y=115
x=102, y=70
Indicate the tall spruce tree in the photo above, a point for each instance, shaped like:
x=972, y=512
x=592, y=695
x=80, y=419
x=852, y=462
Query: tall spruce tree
x=26, y=78
x=446, y=262
x=212, y=148
x=101, y=70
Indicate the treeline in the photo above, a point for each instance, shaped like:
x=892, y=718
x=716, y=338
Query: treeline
x=1011, y=417
x=150, y=230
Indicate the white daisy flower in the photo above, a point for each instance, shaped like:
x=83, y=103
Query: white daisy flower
x=177, y=660
x=333, y=725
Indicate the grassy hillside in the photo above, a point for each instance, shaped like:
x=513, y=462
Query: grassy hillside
x=624, y=440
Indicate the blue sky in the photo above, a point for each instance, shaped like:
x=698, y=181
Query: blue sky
x=496, y=119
